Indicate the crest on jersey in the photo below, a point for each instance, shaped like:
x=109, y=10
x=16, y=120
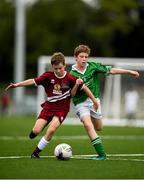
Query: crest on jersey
x=57, y=89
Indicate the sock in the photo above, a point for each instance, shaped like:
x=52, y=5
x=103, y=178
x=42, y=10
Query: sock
x=98, y=146
x=32, y=135
x=42, y=143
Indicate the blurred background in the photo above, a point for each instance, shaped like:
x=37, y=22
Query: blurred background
x=31, y=29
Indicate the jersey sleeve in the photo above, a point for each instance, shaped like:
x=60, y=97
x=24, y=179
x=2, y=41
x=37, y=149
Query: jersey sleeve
x=101, y=68
x=41, y=80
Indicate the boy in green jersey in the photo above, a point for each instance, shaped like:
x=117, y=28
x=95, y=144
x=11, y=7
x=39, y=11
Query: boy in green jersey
x=89, y=71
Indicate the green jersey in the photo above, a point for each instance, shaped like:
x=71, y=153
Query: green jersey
x=90, y=78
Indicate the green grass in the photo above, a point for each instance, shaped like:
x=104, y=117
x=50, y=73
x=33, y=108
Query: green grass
x=14, y=141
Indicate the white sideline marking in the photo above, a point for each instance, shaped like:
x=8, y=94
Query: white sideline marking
x=118, y=137
x=112, y=155
x=138, y=160
x=87, y=157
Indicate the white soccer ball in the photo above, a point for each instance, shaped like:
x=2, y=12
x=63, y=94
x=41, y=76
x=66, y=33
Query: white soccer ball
x=63, y=151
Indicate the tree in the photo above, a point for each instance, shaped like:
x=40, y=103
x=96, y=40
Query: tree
x=60, y=25
x=63, y=24
x=114, y=17
x=6, y=39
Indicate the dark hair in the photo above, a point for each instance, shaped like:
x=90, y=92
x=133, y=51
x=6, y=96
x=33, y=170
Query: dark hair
x=82, y=49
x=57, y=58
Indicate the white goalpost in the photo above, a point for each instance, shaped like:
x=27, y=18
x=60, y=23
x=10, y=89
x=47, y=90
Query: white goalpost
x=113, y=89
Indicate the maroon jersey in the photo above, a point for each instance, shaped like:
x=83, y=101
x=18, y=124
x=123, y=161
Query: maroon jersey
x=57, y=90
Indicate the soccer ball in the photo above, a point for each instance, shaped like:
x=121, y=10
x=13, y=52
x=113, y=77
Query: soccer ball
x=63, y=151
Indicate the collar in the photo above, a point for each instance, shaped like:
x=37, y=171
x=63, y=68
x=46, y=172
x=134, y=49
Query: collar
x=81, y=72
x=60, y=77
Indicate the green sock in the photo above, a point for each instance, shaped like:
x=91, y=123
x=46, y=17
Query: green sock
x=98, y=146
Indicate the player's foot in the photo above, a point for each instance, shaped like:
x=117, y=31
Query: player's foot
x=35, y=155
x=99, y=158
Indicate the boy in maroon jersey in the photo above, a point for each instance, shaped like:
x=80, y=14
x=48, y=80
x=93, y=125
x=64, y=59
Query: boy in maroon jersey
x=59, y=87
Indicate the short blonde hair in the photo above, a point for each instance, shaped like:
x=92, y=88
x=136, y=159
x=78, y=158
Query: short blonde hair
x=57, y=58
x=82, y=49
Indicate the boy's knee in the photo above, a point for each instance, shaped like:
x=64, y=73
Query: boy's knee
x=88, y=126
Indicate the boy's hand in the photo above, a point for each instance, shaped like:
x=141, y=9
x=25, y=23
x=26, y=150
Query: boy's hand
x=79, y=81
x=12, y=85
x=134, y=73
x=95, y=105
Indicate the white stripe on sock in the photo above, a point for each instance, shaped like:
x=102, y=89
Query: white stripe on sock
x=42, y=143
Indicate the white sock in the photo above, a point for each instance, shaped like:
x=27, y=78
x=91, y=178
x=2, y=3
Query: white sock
x=42, y=143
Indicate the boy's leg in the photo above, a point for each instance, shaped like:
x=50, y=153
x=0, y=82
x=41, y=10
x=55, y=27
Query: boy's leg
x=55, y=123
x=96, y=117
x=98, y=124
x=97, y=144
x=95, y=139
x=38, y=127
x=41, y=145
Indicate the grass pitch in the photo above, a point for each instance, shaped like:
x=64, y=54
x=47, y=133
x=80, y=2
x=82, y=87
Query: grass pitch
x=124, y=147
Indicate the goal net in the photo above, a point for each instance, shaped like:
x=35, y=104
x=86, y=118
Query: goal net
x=113, y=90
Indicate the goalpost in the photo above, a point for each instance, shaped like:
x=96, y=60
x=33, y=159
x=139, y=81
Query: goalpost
x=114, y=87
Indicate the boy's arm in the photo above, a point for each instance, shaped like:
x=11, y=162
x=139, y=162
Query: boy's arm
x=76, y=86
x=91, y=96
x=124, y=71
x=20, y=84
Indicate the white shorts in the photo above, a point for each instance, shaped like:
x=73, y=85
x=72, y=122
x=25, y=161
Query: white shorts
x=86, y=108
